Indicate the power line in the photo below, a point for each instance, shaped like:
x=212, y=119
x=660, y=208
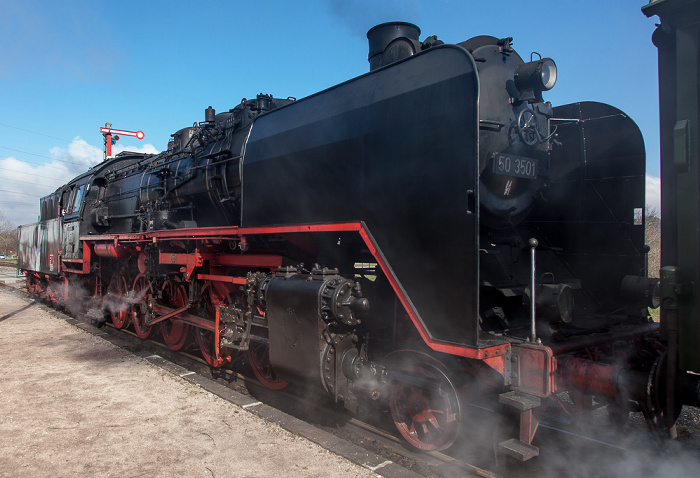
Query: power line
x=34, y=132
x=23, y=194
x=22, y=172
x=27, y=182
x=42, y=156
x=25, y=152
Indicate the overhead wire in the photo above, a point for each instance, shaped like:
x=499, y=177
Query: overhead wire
x=10, y=170
x=5, y=192
x=23, y=194
x=27, y=182
x=56, y=181
x=39, y=134
x=40, y=156
x=35, y=132
x=25, y=152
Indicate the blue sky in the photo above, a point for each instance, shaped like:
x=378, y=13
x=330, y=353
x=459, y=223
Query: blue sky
x=68, y=67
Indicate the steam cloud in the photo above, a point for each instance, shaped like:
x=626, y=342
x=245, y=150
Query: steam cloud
x=358, y=16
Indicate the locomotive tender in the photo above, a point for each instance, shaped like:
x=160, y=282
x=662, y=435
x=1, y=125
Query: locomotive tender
x=401, y=236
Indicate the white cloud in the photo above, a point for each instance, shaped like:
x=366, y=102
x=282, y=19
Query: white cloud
x=25, y=183
x=78, y=157
x=146, y=148
x=653, y=193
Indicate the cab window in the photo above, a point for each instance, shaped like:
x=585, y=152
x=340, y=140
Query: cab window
x=76, y=197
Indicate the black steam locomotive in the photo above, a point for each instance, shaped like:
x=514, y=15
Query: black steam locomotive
x=401, y=236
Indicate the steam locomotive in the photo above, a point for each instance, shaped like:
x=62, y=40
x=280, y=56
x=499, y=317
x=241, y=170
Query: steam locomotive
x=400, y=237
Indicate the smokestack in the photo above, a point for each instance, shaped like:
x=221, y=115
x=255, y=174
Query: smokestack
x=209, y=115
x=390, y=42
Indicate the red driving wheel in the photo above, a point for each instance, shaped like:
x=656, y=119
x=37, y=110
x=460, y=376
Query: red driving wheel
x=427, y=416
x=116, y=301
x=259, y=356
x=174, y=331
x=141, y=290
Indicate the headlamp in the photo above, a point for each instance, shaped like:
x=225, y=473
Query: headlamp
x=535, y=77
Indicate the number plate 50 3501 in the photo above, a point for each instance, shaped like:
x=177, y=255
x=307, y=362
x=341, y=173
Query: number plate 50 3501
x=515, y=166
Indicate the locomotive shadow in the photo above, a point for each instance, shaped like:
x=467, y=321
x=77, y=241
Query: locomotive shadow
x=303, y=403
x=15, y=312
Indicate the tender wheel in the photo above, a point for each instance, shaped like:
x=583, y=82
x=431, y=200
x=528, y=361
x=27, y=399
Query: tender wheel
x=54, y=293
x=41, y=288
x=116, y=301
x=141, y=290
x=32, y=284
x=429, y=416
x=174, y=331
x=210, y=299
x=259, y=356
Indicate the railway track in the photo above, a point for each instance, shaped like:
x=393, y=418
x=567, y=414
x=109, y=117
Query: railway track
x=566, y=444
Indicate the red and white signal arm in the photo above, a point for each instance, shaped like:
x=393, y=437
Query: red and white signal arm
x=135, y=134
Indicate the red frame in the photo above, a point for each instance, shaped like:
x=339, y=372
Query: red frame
x=493, y=356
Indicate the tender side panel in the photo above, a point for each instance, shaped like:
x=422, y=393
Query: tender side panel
x=592, y=213
x=397, y=149
x=40, y=246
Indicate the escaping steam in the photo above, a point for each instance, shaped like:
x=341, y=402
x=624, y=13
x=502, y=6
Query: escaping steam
x=358, y=16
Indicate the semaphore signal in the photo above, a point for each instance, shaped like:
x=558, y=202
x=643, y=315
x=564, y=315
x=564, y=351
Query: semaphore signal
x=107, y=133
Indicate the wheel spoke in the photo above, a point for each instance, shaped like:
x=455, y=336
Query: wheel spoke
x=424, y=425
x=174, y=331
x=116, y=301
x=206, y=346
x=433, y=421
x=142, y=289
x=426, y=416
x=259, y=356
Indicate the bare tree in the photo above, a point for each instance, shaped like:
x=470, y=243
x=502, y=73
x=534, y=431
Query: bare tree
x=653, y=239
x=8, y=237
